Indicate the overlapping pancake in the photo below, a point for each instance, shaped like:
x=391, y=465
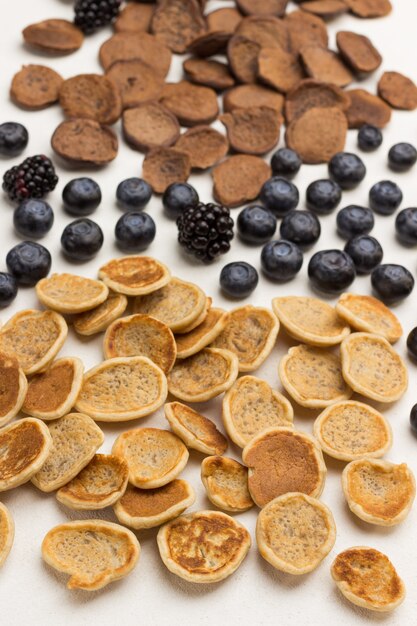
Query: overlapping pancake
x=13, y=388
x=68, y=293
x=134, y=275
x=226, y=483
x=98, y=319
x=196, y=431
x=202, y=335
x=370, y=315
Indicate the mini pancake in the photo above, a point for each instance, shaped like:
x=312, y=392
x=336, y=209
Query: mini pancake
x=67, y=293
x=195, y=430
x=141, y=335
x=373, y=368
x=93, y=552
x=250, y=333
x=313, y=377
x=75, y=440
x=101, y=483
x=6, y=533
x=53, y=393
x=203, y=376
x=367, y=578
x=226, y=483
x=13, y=388
x=98, y=319
x=177, y=304
x=310, y=320
x=203, y=547
x=250, y=406
x=202, y=335
x=122, y=389
x=369, y=315
x=282, y=460
x=33, y=338
x=147, y=508
x=154, y=456
x=198, y=320
x=379, y=492
x=24, y=446
x=295, y=533
x=350, y=430
x=134, y=275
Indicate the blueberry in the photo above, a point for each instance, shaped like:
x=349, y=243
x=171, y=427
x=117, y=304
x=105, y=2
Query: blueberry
x=331, y=271
x=177, y=197
x=385, y=197
x=279, y=196
x=13, y=139
x=256, y=225
x=133, y=194
x=81, y=240
x=392, y=282
x=281, y=260
x=412, y=343
x=135, y=231
x=413, y=419
x=406, y=226
x=300, y=227
x=354, y=220
x=28, y=262
x=238, y=279
x=402, y=156
x=8, y=289
x=33, y=218
x=81, y=196
x=366, y=253
x=323, y=196
x=369, y=138
x=285, y=162
x=347, y=169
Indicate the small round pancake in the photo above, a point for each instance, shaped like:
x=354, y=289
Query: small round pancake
x=24, y=446
x=203, y=547
x=13, y=388
x=370, y=315
x=379, y=492
x=295, y=533
x=6, y=533
x=98, y=319
x=122, y=389
x=68, y=293
x=198, y=320
x=313, y=377
x=204, y=375
x=282, y=460
x=34, y=338
x=154, y=456
x=250, y=333
x=351, y=430
x=134, y=275
x=250, y=406
x=310, y=320
x=202, y=335
x=101, y=483
x=141, y=335
x=147, y=508
x=371, y=367
x=195, y=430
x=226, y=483
x=53, y=393
x=367, y=578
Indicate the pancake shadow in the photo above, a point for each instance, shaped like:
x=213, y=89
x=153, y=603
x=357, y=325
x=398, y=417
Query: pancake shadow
x=73, y=515
x=360, y=612
x=289, y=581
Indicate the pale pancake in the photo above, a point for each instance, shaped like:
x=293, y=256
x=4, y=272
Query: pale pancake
x=198, y=320
x=154, y=456
x=195, y=430
x=379, y=492
x=202, y=335
x=226, y=483
x=6, y=533
x=203, y=547
x=13, y=388
x=373, y=368
x=68, y=293
x=313, y=377
x=351, y=430
x=367, y=314
x=295, y=533
x=122, y=389
x=98, y=319
x=134, y=275
x=93, y=552
x=250, y=406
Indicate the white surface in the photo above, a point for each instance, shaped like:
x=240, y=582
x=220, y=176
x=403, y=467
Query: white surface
x=30, y=592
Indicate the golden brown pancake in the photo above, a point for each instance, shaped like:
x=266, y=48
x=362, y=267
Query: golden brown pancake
x=226, y=483
x=202, y=335
x=68, y=293
x=6, y=533
x=198, y=320
x=13, y=387
x=367, y=314
x=196, y=431
x=98, y=319
x=134, y=275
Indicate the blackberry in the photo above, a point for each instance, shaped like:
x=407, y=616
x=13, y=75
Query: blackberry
x=90, y=15
x=33, y=178
x=205, y=231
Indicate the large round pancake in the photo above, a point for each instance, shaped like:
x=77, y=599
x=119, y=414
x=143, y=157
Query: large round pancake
x=202, y=335
x=226, y=483
x=283, y=460
x=6, y=533
x=379, y=492
x=250, y=406
x=203, y=547
x=68, y=293
x=13, y=388
x=295, y=532
x=195, y=430
x=98, y=319
x=134, y=275
x=370, y=315
x=371, y=367
x=122, y=389
x=350, y=430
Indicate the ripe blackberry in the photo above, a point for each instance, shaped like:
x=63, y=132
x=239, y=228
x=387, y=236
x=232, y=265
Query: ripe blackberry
x=205, y=231
x=33, y=178
x=90, y=15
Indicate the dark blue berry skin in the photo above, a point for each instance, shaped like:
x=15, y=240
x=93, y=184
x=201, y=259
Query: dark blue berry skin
x=285, y=162
x=28, y=262
x=238, y=279
x=8, y=289
x=331, y=271
x=354, y=220
x=13, y=139
x=133, y=194
x=392, y=283
x=406, y=226
x=81, y=240
x=279, y=196
x=402, y=157
x=177, y=197
x=135, y=231
x=33, y=218
x=385, y=197
x=281, y=260
x=412, y=348
x=366, y=253
x=369, y=138
x=413, y=419
x=300, y=227
x=323, y=196
x=347, y=169
x=81, y=196
x=256, y=225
